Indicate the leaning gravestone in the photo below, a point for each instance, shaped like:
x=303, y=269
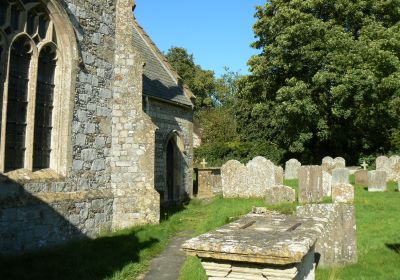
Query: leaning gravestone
x=377, y=181
x=339, y=162
x=340, y=176
x=280, y=194
x=327, y=183
x=337, y=244
x=310, y=184
x=361, y=177
x=343, y=193
x=327, y=164
x=292, y=169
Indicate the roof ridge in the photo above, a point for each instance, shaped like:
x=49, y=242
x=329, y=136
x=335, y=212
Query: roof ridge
x=178, y=79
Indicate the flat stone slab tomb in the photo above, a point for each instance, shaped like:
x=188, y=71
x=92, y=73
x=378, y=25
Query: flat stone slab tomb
x=259, y=246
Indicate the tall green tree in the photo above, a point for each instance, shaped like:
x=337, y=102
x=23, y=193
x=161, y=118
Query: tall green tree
x=327, y=80
x=201, y=82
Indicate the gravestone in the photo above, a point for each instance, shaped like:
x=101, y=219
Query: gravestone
x=310, y=184
x=208, y=182
x=259, y=247
x=327, y=164
x=261, y=174
x=292, y=169
x=249, y=180
x=339, y=162
x=377, y=181
x=340, y=176
x=382, y=163
x=394, y=172
x=280, y=194
x=233, y=177
x=278, y=175
x=337, y=245
x=326, y=183
x=361, y=177
x=343, y=193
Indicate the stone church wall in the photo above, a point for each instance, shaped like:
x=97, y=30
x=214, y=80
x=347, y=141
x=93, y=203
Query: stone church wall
x=109, y=182
x=170, y=118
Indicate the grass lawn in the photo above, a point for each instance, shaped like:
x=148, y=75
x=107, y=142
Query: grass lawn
x=126, y=254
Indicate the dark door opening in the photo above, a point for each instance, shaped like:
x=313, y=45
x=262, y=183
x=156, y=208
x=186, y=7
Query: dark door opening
x=170, y=169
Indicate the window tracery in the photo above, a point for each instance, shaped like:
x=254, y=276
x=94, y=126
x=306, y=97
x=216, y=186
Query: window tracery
x=27, y=84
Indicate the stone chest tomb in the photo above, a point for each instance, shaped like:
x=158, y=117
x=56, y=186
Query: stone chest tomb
x=259, y=246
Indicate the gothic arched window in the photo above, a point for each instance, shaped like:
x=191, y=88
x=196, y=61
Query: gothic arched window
x=17, y=103
x=31, y=83
x=44, y=108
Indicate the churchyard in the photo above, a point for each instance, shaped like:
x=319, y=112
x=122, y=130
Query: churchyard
x=127, y=254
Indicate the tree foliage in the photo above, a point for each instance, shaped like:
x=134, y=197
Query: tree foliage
x=327, y=80
x=201, y=82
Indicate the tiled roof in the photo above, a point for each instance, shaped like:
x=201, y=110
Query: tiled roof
x=159, y=78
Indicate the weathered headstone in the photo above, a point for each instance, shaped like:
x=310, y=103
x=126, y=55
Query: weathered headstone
x=326, y=183
x=343, y=193
x=292, y=169
x=310, y=184
x=382, y=163
x=339, y=162
x=280, y=194
x=233, y=177
x=361, y=177
x=261, y=174
x=377, y=181
x=327, y=164
x=340, y=176
x=337, y=245
x=278, y=175
x=249, y=180
x=208, y=182
x=394, y=172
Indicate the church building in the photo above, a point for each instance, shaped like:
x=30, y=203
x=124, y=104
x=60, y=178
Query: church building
x=96, y=126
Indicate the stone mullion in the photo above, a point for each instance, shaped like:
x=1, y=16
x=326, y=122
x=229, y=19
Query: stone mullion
x=30, y=119
x=4, y=111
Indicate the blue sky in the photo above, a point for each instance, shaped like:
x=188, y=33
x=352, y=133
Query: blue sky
x=217, y=32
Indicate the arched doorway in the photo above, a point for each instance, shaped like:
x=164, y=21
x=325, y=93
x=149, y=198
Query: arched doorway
x=174, y=168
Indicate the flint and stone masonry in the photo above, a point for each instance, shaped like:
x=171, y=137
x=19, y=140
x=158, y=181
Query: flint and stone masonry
x=106, y=173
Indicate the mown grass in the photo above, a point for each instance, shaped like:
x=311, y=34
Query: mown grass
x=378, y=237
x=126, y=254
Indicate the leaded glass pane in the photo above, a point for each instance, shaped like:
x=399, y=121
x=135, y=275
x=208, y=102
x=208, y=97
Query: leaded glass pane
x=17, y=104
x=14, y=17
x=44, y=109
x=3, y=12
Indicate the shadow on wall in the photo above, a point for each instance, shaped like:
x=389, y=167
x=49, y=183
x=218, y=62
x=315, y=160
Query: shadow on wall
x=28, y=223
x=87, y=259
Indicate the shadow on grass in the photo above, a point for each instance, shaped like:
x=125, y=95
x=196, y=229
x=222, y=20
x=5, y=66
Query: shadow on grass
x=86, y=259
x=166, y=211
x=394, y=247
